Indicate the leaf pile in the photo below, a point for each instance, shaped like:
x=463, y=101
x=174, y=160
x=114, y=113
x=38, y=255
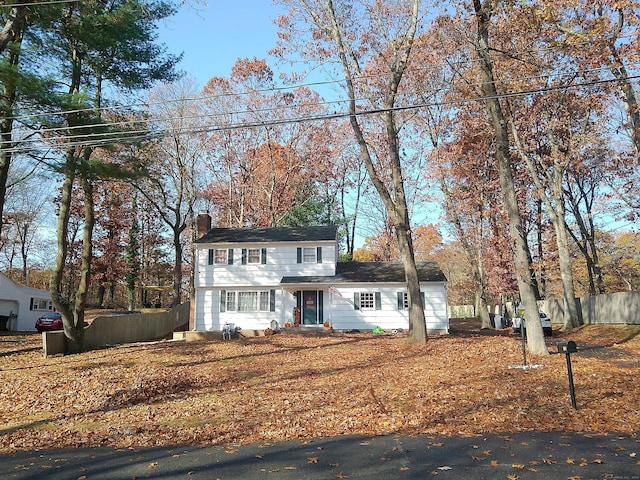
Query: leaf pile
x=287, y=386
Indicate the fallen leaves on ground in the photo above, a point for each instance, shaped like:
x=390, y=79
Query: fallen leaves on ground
x=288, y=386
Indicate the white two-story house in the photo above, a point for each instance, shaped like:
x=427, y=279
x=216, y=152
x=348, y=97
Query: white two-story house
x=291, y=275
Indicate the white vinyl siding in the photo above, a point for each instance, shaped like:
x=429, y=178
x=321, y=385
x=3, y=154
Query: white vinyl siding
x=345, y=310
x=276, y=261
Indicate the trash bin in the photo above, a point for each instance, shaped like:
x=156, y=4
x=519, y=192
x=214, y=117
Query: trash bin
x=4, y=319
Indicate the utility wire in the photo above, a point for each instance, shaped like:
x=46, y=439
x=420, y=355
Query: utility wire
x=32, y=4
x=272, y=90
x=62, y=133
x=94, y=140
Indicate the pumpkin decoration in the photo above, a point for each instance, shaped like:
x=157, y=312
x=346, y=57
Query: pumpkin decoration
x=326, y=324
x=287, y=325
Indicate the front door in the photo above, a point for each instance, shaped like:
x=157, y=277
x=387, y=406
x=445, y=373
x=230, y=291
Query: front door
x=310, y=307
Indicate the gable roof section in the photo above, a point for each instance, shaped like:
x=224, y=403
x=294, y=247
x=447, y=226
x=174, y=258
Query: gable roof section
x=268, y=235
x=11, y=288
x=372, y=272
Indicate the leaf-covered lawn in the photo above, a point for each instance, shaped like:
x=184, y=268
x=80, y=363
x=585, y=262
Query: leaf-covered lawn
x=289, y=386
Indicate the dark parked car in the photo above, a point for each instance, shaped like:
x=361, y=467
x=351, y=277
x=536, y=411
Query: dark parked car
x=49, y=321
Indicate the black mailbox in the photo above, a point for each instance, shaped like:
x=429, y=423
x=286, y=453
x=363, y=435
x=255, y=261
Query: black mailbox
x=567, y=347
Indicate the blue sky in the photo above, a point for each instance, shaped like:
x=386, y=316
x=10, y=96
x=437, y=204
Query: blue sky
x=213, y=36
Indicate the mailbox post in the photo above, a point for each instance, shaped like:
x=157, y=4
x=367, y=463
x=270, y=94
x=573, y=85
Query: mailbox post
x=568, y=348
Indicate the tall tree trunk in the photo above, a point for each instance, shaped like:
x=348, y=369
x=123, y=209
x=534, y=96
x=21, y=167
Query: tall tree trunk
x=472, y=250
x=619, y=71
x=177, y=268
x=13, y=26
x=540, y=281
x=572, y=318
x=76, y=343
x=392, y=196
x=100, y=295
x=535, y=335
x=554, y=175
x=9, y=89
x=60, y=299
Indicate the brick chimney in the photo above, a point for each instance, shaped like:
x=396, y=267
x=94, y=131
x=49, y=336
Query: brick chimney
x=203, y=223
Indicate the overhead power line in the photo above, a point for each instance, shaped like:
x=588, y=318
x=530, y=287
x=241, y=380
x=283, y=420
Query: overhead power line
x=65, y=133
x=107, y=138
x=35, y=4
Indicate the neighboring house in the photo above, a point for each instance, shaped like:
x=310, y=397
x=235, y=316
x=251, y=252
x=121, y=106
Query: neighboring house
x=290, y=275
x=21, y=306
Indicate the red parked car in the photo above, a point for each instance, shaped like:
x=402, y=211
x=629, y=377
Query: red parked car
x=49, y=321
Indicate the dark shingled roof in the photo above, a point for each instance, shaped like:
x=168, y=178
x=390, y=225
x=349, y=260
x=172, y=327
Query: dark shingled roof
x=370, y=272
x=273, y=234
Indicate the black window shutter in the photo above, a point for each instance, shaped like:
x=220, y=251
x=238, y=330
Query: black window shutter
x=272, y=300
x=299, y=255
x=356, y=300
x=230, y=257
x=223, y=300
x=263, y=256
x=319, y=254
x=244, y=256
x=378, y=301
x=320, y=306
x=400, y=300
x=422, y=297
x=211, y=254
x=31, y=305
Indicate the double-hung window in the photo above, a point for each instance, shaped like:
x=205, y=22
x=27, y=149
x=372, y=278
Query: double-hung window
x=309, y=255
x=264, y=301
x=220, y=255
x=231, y=301
x=254, y=256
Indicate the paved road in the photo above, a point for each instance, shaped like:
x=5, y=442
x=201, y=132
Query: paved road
x=521, y=456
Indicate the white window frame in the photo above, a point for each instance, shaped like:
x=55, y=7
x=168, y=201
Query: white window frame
x=264, y=302
x=241, y=301
x=41, y=304
x=231, y=300
x=309, y=254
x=221, y=255
x=254, y=255
x=367, y=301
